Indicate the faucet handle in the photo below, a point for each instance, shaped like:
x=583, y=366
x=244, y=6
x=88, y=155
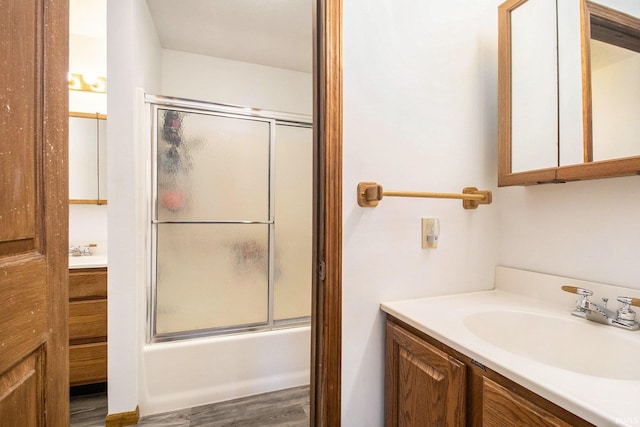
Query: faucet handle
x=625, y=314
x=577, y=290
x=630, y=301
x=583, y=305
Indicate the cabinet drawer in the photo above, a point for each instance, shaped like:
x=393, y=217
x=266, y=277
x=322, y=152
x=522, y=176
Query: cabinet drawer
x=87, y=283
x=87, y=363
x=87, y=319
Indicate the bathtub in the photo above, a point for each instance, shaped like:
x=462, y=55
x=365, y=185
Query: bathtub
x=188, y=373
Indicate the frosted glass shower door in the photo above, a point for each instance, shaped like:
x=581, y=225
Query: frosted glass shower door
x=293, y=222
x=212, y=221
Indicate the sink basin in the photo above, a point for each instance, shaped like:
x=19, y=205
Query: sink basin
x=563, y=342
x=93, y=261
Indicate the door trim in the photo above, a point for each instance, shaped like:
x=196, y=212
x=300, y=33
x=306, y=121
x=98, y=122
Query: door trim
x=326, y=323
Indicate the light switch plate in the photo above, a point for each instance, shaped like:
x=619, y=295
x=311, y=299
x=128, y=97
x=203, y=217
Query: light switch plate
x=430, y=232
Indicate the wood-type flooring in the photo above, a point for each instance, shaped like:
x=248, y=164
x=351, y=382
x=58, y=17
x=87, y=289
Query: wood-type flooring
x=284, y=408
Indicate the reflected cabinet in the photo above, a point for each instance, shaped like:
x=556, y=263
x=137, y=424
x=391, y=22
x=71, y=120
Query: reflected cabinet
x=568, y=90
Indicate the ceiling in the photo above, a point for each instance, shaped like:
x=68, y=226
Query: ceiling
x=276, y=33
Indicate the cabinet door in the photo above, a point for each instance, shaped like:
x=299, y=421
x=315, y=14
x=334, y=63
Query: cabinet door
x=503, y=408
x=424, y=385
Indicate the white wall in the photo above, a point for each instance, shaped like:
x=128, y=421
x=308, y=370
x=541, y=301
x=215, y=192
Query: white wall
x=587, y=230
x=206, y=78
x=87, y=223
x=420, y=113
x=134, y=55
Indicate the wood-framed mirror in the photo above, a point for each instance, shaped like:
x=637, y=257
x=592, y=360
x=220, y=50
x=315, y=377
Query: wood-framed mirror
x=558, y=134
x=87, y=158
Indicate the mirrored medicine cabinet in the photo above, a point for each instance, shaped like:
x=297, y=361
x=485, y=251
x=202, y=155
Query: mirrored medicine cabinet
x=87, y=158
x=568, y=90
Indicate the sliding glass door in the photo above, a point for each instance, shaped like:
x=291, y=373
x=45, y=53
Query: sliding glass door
x=231, y=221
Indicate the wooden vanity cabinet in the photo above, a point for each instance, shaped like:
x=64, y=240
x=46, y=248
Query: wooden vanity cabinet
x=87, y=326
x=429, y=384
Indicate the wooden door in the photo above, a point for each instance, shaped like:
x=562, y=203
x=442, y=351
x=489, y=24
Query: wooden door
x=33, y=213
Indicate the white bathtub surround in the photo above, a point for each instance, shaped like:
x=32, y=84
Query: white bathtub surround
x=187, y=373
x=605, y=398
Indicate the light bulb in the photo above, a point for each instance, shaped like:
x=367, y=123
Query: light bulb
x=90, y=79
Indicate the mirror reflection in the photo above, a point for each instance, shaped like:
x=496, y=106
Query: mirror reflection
x=87, y=158
x=612, y=34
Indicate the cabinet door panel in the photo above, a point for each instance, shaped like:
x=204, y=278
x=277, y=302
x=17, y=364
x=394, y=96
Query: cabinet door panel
x=421, y=383
x=424, y=386
x=502, y=408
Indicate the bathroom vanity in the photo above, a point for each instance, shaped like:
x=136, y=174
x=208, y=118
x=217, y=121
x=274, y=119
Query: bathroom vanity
x=87, y=321
x=429, y=383
x=512, y=355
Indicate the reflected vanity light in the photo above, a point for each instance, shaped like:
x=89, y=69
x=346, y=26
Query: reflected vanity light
x=87, y=82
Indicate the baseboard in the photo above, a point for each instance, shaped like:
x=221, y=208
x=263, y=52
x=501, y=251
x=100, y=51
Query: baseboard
x=123, y=419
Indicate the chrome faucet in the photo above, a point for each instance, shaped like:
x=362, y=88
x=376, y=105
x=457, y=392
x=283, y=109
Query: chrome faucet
x=75, y=250
x=624, y=317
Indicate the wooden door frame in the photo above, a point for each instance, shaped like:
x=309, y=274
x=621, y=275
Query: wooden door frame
x=326, y=319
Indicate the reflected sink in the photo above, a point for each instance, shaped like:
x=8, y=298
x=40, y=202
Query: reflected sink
x=567, y=343
x=92, y=261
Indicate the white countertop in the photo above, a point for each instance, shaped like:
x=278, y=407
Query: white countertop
x=91, y=261
x=599, y=400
